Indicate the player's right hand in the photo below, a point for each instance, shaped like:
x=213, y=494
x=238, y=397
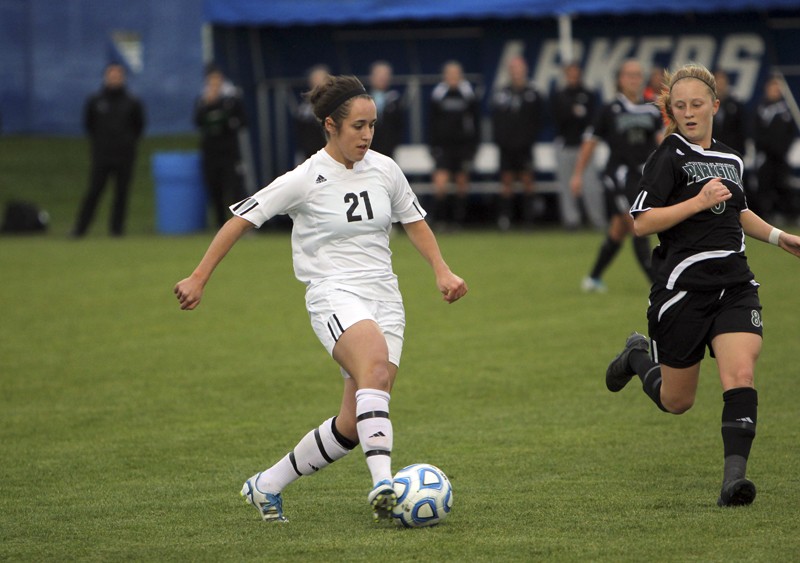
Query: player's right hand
x=714, y=193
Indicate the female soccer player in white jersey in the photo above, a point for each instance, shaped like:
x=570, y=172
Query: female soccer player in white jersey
x=704, y=294
x=343, y=201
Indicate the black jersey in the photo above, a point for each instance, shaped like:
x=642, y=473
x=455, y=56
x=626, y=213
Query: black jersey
x=573, y=110
x=705, y=251
x=630, y=130
x=516, y=117
x=455, y=116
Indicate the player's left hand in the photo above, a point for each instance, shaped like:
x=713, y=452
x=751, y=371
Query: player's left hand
x=189, y=291
x=790, y=243
x=452, y=287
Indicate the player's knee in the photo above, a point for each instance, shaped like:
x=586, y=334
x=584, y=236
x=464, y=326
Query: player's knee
x=677, y=405
x=382, y=378
x=377, y=376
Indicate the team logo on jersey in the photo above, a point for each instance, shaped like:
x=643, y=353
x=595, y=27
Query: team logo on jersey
x=719, y=208
x=702, y=171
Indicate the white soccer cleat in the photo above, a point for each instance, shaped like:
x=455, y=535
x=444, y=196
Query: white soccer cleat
x=593, y=285
x=382, y=499
x=269, y=506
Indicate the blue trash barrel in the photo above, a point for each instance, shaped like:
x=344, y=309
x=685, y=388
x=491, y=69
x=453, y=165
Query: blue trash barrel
x=180, y=194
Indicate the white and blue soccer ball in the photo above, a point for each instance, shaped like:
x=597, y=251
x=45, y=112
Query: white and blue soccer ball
x=424, y=496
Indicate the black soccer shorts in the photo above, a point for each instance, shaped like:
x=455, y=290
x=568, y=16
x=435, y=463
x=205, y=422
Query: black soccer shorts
x=682, y=324
x=621, y=188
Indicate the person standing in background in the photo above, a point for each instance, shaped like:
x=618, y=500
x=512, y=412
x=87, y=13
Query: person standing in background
x=730, y=121
x=516, y=120
x=308, y=133
x=574, y=108
x=390, y=127
x=219, y=115
x=454, y=135
x=774, y=133
x=114, y=121
x=632, y=129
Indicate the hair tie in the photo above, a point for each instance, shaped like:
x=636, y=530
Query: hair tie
x=334, y=105
x=714, y=90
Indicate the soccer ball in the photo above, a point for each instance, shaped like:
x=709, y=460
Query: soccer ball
x=424, y=496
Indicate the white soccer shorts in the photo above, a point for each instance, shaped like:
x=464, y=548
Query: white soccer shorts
x=333, y=311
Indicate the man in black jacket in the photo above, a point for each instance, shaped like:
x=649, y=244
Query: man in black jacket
x=730, y=121
x=774, y=133
x=219, y=115
x=308, y=131
x=517, y=113
x=574, y=107
x=454, y=131
x=114, y=121
x=391, y=110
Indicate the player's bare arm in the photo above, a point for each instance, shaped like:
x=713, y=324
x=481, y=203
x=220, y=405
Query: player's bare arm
x=754, y=226
x=660, y=219
x=189, y=291
x=450, y=285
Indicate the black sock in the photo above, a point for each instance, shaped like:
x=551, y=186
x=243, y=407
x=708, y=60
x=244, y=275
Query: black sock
x=607, y=253
x=641, y=247
x=650, y=374
x=739, y=414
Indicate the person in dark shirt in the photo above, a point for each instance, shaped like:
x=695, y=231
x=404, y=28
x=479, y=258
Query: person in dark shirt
x=454, y=131
x=114, y=121
x=516, y=120
x=390, y=127
x=308, y=132
x=219, y=116
x=704, y=294
x=730, y=121
x=632, y=130
x=774, y=133
x=574, y=108
x=731, y=124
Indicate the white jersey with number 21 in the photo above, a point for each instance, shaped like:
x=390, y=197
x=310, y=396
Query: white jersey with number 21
x=341, y=220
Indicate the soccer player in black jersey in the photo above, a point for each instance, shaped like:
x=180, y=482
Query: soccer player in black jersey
x=704, y=294
x=632, y=130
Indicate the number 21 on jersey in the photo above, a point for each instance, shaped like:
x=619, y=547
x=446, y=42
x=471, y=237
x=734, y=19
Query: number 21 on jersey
x=354, y=202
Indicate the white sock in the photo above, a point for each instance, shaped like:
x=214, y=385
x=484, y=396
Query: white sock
x=375, y=431
x=319, y=448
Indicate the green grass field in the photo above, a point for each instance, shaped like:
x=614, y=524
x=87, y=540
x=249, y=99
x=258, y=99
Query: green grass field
x=127, y=426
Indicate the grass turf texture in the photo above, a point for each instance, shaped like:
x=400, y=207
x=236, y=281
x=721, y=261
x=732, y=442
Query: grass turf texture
x=127, y=426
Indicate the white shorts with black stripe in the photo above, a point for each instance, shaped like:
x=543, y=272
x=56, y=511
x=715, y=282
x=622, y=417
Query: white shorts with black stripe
x=332, y=311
